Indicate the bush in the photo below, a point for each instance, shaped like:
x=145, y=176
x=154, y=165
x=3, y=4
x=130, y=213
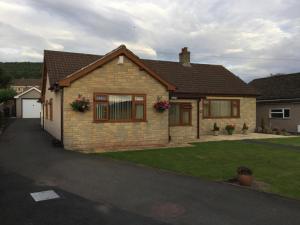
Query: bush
x=6, y=94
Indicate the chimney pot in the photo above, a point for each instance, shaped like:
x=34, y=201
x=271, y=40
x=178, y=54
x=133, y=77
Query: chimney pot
x=184, y=57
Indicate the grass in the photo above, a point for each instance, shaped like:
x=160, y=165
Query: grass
x=295, y=141
x=278, y=167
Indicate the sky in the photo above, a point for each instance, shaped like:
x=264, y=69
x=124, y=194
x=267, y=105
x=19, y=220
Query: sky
x=251, y=38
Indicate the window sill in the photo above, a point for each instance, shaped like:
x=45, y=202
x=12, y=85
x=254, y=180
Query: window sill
x=127, y=121
x=222, y=117
x=189, y=125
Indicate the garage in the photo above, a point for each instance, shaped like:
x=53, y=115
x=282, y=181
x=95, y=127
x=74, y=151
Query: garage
x=31, y=108
x=27, y=104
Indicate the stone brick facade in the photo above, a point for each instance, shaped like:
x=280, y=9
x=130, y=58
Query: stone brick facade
x=82, y=133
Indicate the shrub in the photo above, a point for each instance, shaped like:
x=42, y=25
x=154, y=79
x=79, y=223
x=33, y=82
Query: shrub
x=6, y=94
x=245, y=127
x=230, y=128
x=216, y=128
x=242, y=170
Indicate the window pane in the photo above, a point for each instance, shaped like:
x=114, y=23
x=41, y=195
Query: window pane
x=286, y=113
x=120, y=107
x=219, y=108
x=277, y=115
x=139, y=98
x=276, y=110
x=101, y=111
x=101, y=98
x=174, y=114
x=186, y=117
x=206, y=108
x=139, y=111
x=235, y=108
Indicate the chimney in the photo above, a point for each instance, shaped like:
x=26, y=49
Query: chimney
x=184, y=57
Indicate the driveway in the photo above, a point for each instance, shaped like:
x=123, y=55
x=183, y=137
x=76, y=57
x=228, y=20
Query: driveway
x=133, y=194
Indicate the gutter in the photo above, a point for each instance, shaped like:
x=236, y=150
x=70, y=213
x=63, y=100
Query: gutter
x=198, y=118
x=279, y=100
x=62, y=117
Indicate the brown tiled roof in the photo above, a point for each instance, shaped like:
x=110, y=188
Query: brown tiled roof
x=61, y=64
x=198, y=78
x=278, y=87
x=26, y=82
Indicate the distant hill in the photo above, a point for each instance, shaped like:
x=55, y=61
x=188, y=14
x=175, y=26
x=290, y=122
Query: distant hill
x=22, y=69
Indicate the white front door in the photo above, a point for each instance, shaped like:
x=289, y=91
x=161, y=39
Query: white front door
x=31, y=108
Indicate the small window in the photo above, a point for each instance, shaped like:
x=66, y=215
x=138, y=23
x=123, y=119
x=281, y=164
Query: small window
x=51, y=108
x=180, y=114
x=221, y=108
x=280, y=113
x=46, y=109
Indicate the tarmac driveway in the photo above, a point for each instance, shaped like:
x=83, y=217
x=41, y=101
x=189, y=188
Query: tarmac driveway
x=142, y=195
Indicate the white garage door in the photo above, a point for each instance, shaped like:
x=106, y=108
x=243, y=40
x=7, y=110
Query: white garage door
x=31, y=108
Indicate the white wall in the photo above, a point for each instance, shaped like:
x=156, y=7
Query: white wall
x=54, y=126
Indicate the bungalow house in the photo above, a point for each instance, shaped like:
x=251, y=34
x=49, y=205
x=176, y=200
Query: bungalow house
x=122, y=90
x=278, y=106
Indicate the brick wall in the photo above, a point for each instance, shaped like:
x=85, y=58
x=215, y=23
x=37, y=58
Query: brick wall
x=81, y=133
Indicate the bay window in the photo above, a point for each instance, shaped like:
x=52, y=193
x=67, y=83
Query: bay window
x=119, y=107
x=221, y=108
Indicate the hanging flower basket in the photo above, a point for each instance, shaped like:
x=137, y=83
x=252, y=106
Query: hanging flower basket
x=80, y=104
x=161, y=106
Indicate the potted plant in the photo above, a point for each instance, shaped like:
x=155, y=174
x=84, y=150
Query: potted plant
x=161, y=105
x=81, y=104
x=245, y=177
x=216, y=129
x=230, y=129
x=245, y=129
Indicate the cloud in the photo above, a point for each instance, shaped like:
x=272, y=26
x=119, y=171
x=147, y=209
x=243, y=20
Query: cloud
x=252, y=40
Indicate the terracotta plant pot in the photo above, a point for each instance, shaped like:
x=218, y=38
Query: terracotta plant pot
x=245, y=180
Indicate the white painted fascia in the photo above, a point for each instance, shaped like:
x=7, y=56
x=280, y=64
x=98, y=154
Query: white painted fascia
x=30, y=89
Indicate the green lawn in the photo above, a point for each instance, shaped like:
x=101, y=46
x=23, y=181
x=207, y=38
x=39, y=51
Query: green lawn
x=279, y=167
x=295, y=141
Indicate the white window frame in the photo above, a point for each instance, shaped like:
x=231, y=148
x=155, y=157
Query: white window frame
x=282, y=112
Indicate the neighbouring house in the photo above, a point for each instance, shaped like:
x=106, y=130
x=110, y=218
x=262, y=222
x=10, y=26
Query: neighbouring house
x=22, y=84
x=278, y=106
x=123, y=88
x=28, y=103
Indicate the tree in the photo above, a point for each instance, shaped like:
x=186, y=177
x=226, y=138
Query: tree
x=6, y=94
x=4, y=79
